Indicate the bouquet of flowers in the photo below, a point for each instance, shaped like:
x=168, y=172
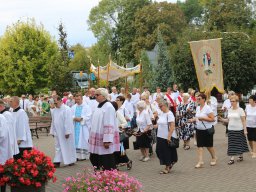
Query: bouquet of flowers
x=107, y=181
x=33, y=169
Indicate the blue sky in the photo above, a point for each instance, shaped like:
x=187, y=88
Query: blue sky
x=73, y=14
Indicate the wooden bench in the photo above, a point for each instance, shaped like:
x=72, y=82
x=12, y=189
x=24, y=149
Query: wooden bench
x=39, y=123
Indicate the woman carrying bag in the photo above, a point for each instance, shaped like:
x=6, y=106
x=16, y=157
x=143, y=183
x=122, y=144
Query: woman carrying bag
x=166, y=130
x=204, y=119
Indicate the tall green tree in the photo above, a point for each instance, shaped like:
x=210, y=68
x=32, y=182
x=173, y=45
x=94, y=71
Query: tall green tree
x=102, y=21
x=125, y=31
x=163, y=73
x=168, y=17
x=81, y=60
x=26, y=52
x=193, y=10
x=60, y=77
x=224, y=14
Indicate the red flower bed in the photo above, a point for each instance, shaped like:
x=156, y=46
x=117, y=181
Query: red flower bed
x=34, y=168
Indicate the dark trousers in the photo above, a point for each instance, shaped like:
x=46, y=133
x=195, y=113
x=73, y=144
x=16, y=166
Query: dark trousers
x=19, y=155
x=106, y=162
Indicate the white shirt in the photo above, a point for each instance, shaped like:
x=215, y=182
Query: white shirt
x=250, y=116
x=143, y=120
x=113, y=96
x=129, y=106
x=163, y=123
x=155, y=95
x=123, y=111
x=175, y=94
x=24, y=104
x=22, y=128
x=234, y=117
x=214, y=105
x=135, y=99
x=203, y=125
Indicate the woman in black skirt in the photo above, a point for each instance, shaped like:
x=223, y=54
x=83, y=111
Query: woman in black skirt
x=237, y=144
x=166, y=129
x=251, y=123
x=144, y=124
x=204, y=122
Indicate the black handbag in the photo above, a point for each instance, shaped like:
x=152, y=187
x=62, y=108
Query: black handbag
x=210, y=131
x=133, y=122
x=174, y=143
x=123, y=136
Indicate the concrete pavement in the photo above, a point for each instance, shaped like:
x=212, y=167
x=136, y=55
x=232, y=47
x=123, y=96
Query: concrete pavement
x=240, y=177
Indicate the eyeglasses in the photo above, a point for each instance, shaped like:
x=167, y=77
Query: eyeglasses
x=232, y=101
x=97, y=95
x=143, y=99
x=55, y=103
x=160, y=106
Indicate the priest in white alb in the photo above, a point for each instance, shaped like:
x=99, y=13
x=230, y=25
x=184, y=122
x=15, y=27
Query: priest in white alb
x=5, y=144
x=63, y=131
x=81, y=114
x=10, y=120
x=104, y=133
x=22, y=129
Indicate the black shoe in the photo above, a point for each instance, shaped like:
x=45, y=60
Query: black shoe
x=56, y=165
x=71, y=164
x=129, y=165
x=240, y=158
x=231, y=162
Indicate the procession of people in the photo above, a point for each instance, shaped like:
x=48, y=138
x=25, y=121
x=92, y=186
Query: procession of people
x=96, y=126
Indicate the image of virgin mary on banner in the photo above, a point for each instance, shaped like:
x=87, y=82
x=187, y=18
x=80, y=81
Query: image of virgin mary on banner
x=208, y=64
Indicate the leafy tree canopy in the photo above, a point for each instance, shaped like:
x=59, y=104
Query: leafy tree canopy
x=26, y=52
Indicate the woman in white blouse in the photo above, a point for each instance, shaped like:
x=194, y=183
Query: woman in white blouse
x=204, y=119
x=144, y=124
x=251, y=123
x=166, y=129
x=237, y=144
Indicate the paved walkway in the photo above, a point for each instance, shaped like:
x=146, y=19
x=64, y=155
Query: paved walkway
x=240, y=177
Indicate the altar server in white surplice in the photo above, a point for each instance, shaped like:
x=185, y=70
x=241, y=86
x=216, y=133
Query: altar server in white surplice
x=81, y=114
x=63, y=131
x=5, y=141
x=10, y=120
x=22, y=129
x=5, y=145
x=104, y=133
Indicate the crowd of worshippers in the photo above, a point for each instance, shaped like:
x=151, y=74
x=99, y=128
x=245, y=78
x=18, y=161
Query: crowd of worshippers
x=97, y=125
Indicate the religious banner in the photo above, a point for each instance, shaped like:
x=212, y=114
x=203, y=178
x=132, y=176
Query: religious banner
x=208, y=64
x=112, y=71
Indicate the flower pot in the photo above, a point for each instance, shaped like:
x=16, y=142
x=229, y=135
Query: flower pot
x=30, y=188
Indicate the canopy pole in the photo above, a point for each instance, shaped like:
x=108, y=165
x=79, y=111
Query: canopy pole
x=108, y=70
x=89, y=86
x=98, y=74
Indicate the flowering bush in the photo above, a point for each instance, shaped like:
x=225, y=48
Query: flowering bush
x=34, y=168
x=107, y=181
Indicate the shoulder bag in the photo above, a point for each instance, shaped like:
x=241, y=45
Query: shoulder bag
x=174, y=142
x=210, y=131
